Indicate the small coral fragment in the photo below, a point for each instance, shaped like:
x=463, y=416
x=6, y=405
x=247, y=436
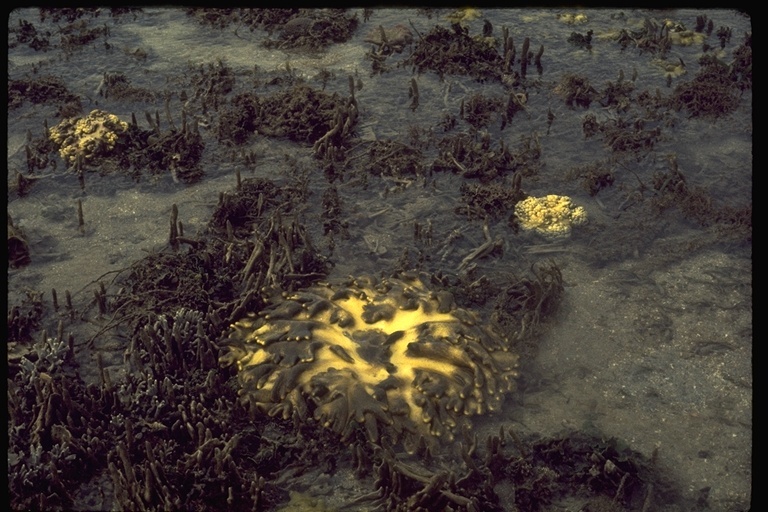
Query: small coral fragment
x=387, y=357
x=550, y=215
x=87, y=138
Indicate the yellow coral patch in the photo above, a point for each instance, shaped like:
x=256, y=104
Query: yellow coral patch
x=571, y=18
x=88, y=137
x=390, y=355
x=463, y=15
x=550, y=215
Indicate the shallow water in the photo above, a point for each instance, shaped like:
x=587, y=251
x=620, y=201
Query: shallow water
x=653, y=342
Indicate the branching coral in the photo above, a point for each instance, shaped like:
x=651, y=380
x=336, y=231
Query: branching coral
x=389, y=355
x=87, y=137
x=550, y=215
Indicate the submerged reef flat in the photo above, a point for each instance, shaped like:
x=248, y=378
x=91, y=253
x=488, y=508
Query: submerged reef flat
x=189, y=190
x=389, y=355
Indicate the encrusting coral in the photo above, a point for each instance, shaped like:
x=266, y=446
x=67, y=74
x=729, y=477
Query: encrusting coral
x=87, y=137
x=551, y=215
x=388, y=354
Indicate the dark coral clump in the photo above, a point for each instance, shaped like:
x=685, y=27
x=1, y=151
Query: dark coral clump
x=455, y=52
x=711, y=93
x=300, y=113
x=526, y=302
x=305, y=28
x=475, y=157
x=491, y=200
x=44, y=89
x=395, y=159
x=313, y=28
x=604, y=473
